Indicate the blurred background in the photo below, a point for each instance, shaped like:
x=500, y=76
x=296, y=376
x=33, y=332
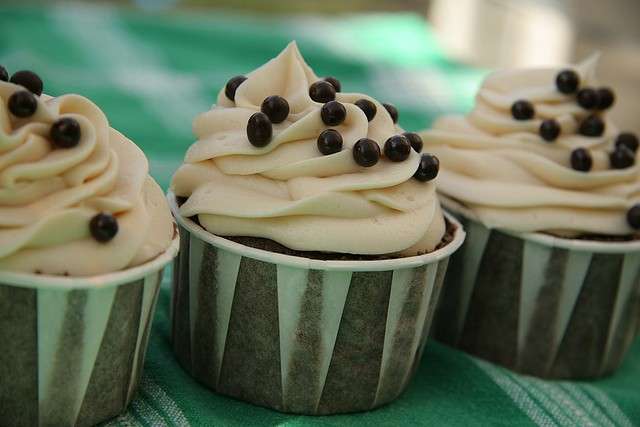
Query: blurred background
x=151, y=65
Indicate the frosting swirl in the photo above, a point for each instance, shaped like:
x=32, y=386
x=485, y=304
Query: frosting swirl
x=288, y=191
x=49, y=195
x=501, y=171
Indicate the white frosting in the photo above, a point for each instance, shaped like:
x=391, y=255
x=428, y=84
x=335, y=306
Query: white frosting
x=288, y=191
x=507, y=176
x=48, y=195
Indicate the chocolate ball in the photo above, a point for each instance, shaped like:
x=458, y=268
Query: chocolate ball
x=368, y=107
x=397, y=148
x=232, y=86
x=428, y=168
x=366, y=152
x=65, y=132
x=581, y=160
x=259, y=130
x=415, y=140
x=329, y=142
x=567, y=81
x=103, y=227
x=22, y=104
x=522, y=110
x=276, y=108
x=322, y=91
x=333, y=113
x=29, y=80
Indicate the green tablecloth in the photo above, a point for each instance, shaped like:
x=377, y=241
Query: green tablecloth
x=152, y=73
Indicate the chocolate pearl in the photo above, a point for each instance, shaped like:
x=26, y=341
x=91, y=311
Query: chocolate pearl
x=567, y=81
x=276, y=108
x=581, y=160
x=259, y=130
x=606, y=98
x=334, y=82
x=29, y=80
x=366, y=152
x=415, y=140
x=322, y=91
x=103, y=227
x=592, y=126
x=428, y=168
x=587, y=98
x=4, y=76
x=522, y=110
x=333, y=113
x=393, y=111
x=397, y=148
x=368, y=107
x=622, y=158
x=232, y=86
x=65, y=133
x=329, y=142
x=633, y=217
x=629, y=140
x=549, y=130
x=22, y=104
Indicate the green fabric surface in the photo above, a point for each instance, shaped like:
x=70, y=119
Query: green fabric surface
x=152, y=73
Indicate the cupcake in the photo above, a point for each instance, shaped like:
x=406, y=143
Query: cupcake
x=313, y=244
x=85, y=233
x=548, y=281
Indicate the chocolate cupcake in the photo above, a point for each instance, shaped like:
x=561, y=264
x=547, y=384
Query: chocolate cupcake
x=85, y=233
x=548, y=282
x=314, y=247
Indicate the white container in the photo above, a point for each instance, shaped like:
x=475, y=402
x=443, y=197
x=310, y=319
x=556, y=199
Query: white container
x=297, y=334
x=73, y=348
x=539, y=304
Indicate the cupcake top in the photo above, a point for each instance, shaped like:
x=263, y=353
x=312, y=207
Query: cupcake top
x=538, y=153
x=284, y=155
x=75, y=195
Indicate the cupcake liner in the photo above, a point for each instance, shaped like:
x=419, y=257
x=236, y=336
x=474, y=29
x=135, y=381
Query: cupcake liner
x=73, y=348
x=541, y=305
x=296, y=334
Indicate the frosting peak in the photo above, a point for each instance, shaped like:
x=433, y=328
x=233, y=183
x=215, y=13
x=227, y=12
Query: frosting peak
x=510, y=173
x=288, y=191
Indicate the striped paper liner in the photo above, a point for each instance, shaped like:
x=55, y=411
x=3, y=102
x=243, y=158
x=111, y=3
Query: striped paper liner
x=73, y=348
x=301, y=335
x=541, y=305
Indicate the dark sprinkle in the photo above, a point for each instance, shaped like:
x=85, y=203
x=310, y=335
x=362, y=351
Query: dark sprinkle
x=629, y=140
x=622, y=158
x=581, y=160
x=329, y=142
x=65, y=133
x=415, y=140
x=4, y=76
x=334, y=82
x=103, y=227
x=366, y=152
x=276, y=108
x=368, y=107
x=428, y=168
x=397, y=148
x=549, y=130
x=567, y=81
x=633, y=217
x=392, y=110
x=232, y=86
x=587, y=98
x=259, y=130
x=592, y=126
x=522, y=110
x=22, y=104
x=322, y=91
x=606, y=98
x=333, y=113
x=29, y=80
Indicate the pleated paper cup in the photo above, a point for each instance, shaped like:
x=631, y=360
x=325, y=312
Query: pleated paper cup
x=301, y=335
x=73, y=348
x=541, y=305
